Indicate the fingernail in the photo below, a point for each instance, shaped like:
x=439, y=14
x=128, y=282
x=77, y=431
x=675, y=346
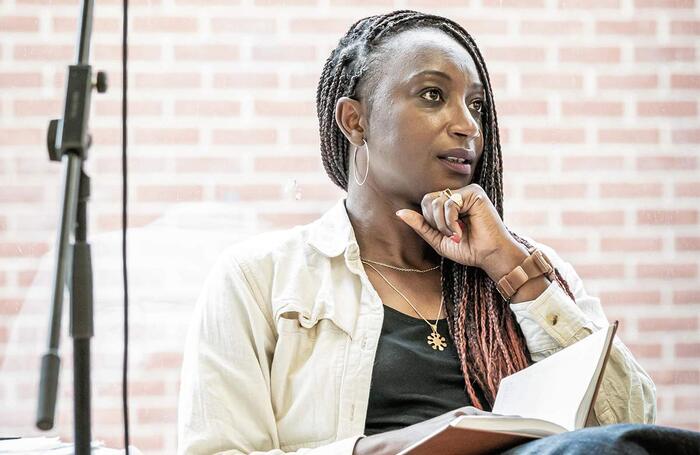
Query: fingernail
x=398, y=213
x=455, y=238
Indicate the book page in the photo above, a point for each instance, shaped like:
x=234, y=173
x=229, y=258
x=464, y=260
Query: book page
x=554, y=388
x=515, y=425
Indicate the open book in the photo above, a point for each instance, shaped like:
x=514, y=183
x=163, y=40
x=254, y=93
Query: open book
x=552, y=396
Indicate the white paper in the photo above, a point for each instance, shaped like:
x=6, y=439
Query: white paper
x=553, y=388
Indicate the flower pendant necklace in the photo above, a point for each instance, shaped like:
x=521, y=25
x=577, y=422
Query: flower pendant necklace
x=435, y=340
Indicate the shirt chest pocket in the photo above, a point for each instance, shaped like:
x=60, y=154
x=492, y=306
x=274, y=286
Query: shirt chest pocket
x=307, y=371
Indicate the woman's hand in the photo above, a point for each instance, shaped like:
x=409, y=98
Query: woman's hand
x=393, y=442
x=468, y=235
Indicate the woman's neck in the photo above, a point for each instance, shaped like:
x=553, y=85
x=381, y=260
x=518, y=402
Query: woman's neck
x=382, y=236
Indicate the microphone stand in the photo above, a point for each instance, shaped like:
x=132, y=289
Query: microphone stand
x=68, y=141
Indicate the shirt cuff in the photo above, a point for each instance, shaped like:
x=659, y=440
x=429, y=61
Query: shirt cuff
x=555, y=313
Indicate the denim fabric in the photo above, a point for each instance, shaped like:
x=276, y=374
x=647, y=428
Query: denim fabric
x=622, y=439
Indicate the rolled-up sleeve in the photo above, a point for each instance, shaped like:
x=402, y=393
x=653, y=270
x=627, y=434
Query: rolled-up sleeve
x=553, y=321
x=225, y=404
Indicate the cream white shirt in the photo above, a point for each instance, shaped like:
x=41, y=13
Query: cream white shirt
x=279, y=354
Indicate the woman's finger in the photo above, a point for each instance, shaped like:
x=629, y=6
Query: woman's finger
x=426, y=205
x=418, y=223
x=451, y=212
x=438, y=207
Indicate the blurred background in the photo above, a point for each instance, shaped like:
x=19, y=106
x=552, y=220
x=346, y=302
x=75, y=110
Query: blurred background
x=598, y=108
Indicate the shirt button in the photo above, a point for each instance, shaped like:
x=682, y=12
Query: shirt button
x=553, y=318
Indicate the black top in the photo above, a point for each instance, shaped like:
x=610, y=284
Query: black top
x=411, y=381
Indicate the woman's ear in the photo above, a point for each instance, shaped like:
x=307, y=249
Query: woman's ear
x=350, y=119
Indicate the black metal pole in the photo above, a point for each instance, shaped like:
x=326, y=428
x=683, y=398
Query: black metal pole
x=82, y=323
x=68, y=141
x=50, y=363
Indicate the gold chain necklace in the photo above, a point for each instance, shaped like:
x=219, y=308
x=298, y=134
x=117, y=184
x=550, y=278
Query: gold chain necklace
x=435, y=340
x=401, y=269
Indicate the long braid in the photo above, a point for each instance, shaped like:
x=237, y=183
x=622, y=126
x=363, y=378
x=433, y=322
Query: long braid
x=488, y=340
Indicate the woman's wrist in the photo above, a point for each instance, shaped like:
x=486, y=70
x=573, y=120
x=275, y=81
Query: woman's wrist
x=387, y=443
x=504, y=260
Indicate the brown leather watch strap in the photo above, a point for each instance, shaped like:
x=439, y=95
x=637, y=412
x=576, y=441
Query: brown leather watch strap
x=535, y=265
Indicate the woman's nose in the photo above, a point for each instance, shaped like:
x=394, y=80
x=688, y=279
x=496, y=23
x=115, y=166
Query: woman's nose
x=463, y=122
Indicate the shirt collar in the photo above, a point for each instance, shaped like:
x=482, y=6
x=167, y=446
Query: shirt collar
x=332, y=234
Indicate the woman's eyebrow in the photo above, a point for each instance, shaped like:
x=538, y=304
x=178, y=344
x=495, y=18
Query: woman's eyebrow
x=430, y=73
x=476, y=85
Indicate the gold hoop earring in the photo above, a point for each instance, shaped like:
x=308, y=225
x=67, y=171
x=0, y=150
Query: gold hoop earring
x=354, y=160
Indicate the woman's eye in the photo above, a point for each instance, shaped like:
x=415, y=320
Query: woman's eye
x=478, y=105
x=432, y=95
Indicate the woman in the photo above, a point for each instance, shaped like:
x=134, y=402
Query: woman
x=369, y=328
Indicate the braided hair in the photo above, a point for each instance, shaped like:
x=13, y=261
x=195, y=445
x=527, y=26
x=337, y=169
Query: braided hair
x=488, y=340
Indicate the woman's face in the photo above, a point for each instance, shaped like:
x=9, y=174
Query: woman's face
x=426, y=106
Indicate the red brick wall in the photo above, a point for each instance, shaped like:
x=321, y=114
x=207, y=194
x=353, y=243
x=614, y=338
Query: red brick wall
x=598, y=104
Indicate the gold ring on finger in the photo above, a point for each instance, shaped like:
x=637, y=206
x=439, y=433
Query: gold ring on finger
x=457, y=199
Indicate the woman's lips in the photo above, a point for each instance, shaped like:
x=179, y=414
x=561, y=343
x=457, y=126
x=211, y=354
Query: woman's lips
x=465, y=168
